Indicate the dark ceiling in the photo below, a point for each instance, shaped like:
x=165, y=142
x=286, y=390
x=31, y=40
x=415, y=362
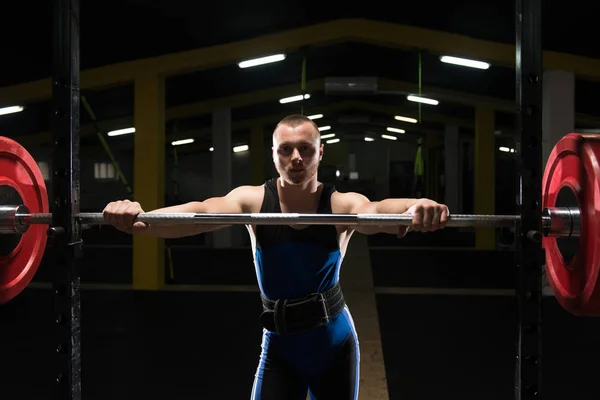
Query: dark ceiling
x=115, y=31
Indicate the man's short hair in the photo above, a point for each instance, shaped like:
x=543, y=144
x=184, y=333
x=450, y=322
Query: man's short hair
x=294, y=120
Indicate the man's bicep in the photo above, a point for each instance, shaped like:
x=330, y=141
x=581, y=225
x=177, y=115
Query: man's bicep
x=356, y=203
x=221, y=205
x=234, y=202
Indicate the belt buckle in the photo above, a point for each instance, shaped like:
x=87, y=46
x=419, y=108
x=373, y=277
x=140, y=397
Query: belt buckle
x=323, y=301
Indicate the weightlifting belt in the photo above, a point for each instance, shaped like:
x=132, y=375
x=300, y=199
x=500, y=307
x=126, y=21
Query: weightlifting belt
x=293, y=316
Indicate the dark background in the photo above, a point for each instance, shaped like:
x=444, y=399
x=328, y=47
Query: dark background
x=202, y=343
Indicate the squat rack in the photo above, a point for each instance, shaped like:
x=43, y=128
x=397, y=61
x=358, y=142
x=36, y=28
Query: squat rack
x=529, y=255
x=66, y=232
x=65, y=229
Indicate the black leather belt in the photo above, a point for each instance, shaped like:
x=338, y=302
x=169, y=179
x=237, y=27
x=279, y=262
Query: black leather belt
x=292, y=316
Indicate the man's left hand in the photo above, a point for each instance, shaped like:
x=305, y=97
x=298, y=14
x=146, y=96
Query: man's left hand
x=427, y=216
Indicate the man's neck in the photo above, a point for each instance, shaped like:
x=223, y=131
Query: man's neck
x=308, y=187
x=297, y=194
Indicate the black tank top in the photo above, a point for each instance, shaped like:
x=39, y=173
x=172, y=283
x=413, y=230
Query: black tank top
x=273, y=235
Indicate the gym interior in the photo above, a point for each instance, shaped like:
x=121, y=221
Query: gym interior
x=409, y=103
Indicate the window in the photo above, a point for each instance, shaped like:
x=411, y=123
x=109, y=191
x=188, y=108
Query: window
x=104, y=171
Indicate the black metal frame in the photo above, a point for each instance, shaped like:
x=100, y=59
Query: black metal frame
x=528, y=250
x=65, y=230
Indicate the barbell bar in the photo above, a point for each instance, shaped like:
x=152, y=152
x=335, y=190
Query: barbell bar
x=570, y=218
x=555, y=221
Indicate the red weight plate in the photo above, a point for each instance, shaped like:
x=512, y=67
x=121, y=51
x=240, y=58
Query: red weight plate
x=573, y=164
x=20, y=171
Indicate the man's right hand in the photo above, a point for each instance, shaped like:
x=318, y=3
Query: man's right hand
x=121, y=214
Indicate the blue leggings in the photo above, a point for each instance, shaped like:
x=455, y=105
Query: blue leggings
x=323, y=363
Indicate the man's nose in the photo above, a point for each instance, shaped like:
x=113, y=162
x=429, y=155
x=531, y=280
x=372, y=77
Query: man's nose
x=296, y=155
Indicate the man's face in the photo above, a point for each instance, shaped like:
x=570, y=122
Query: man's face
x=297, y=152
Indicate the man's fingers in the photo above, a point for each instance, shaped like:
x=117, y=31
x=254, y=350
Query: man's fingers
x=139, y=227
x=435, y=221
x=417, y=219
x=130, y=213
x=121, y=214
x=444, y=217
x=428, y=213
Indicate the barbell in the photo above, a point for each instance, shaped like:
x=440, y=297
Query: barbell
x=570, y=215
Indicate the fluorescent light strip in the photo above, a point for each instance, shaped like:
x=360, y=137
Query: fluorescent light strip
x=294, y=98
x=329, y=135
x=405, y=119
x=368, y=139
x=464, y=62
x=333, y=141
x=261, y=60
x=324, y=128
x=119, y=132
x=236, y=149
x=182, y=141
x=506, y=149
x=316, y=116
x=10, y=110
x=397, y=130
x=388, y=137
x=424, y=100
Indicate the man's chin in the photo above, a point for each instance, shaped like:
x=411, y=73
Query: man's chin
x=295, y=180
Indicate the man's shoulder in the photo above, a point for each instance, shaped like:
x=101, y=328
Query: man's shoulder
x=249, y=196
x=344, y=202
x=244, y=191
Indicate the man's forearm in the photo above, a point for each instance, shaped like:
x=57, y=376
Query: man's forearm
x=173, y=231
x=387, y=206
x=393, y=206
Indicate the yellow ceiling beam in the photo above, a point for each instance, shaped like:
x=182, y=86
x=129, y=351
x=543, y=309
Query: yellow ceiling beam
x=187, y=61
x=438, y=42
x=376, y=32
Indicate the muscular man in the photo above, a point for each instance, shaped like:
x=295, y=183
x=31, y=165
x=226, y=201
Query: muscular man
x=309, y=342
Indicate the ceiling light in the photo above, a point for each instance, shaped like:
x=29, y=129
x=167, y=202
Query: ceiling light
x=368, y=139
x=10, y=110
x=238, y=149
x=331, y=141
x=405, y=119
x=261, y=60
x=324, y=128
x=182, y=141
x=388, y=137
x=294, y=98
x=329, y=135
x=211, y=149
x=397, y=130
x=423, y=100
x=118, y=132
x=465, y=62
x=316, y=116
x=506, y=149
